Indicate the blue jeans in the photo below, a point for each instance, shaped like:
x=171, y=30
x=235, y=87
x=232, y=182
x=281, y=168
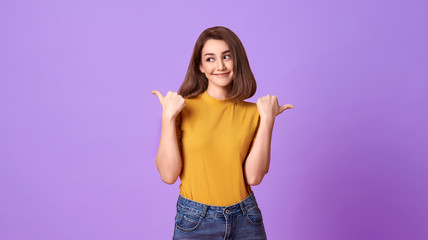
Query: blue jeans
x=195, y=220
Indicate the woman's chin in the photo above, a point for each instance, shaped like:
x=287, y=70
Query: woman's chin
x=223, y=83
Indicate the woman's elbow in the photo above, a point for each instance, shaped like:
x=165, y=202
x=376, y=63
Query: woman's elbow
x=255, y=180
x=169, y=181
x=169, y=175
x=169, y=178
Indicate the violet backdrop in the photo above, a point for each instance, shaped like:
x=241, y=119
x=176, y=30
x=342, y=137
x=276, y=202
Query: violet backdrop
x=80, y=128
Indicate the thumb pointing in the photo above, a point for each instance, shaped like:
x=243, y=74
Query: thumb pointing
x=157, y=93
x=286, y=106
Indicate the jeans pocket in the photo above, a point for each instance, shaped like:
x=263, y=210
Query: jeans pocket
x=254, y=216
x=187, y=220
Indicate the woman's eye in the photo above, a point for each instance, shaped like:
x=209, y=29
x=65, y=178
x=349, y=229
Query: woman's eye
x=227, y=56
x=209, y=59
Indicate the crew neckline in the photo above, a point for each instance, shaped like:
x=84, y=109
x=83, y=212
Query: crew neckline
x=215, y=101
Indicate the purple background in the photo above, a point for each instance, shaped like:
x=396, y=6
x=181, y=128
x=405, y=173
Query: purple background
x=80, y=129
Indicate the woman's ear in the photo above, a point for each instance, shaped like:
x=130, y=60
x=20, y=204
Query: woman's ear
x=201, y=68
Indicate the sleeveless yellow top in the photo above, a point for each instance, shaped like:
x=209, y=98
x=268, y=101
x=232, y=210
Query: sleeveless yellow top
x=215, y=137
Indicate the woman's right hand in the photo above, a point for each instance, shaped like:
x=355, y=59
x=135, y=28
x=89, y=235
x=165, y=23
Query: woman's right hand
x=172, y=103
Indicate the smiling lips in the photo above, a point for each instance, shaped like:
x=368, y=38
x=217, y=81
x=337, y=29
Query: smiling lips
x=222, y=74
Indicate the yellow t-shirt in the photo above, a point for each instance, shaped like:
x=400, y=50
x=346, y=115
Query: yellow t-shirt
x=215, y=137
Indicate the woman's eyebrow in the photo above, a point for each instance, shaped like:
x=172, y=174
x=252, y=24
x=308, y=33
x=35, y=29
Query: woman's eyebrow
x=213, y=53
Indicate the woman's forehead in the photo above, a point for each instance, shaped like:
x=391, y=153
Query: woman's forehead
x=215, y=46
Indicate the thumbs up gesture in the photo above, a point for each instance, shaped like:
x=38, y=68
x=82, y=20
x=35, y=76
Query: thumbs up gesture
x=172, y=103
x=269, y=108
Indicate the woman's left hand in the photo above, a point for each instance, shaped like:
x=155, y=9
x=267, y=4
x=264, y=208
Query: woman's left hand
x=269, y=108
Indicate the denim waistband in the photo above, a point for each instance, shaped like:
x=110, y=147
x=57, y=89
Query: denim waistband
x=197, y=207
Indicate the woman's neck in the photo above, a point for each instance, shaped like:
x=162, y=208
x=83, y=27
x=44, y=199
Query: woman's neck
x=217, y=93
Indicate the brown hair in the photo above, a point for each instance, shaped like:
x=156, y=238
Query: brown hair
x=243, y=84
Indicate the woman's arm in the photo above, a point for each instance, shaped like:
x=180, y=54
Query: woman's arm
x=258, y=160
x=168, y=158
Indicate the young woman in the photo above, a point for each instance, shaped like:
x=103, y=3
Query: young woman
x=216, y=142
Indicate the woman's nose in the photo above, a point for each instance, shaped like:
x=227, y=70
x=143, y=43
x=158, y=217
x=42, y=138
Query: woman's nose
x=220, y=65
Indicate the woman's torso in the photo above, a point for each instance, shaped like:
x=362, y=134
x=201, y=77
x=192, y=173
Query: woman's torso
x=215, y=137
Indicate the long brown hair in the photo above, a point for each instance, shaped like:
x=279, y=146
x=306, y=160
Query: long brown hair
x=243, y=84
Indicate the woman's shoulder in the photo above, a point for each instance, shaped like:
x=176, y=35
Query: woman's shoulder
x=192, y=100
x=249, y=106
x=247, y=103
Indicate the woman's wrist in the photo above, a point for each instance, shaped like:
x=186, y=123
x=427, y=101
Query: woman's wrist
x=267, y=119
x=168, y=116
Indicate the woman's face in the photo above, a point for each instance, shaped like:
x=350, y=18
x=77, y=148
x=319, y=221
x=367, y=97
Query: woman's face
x=217, y=63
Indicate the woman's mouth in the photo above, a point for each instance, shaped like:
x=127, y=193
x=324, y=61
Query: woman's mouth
x=222, y=74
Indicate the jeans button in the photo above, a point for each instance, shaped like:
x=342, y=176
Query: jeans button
x=227, y=211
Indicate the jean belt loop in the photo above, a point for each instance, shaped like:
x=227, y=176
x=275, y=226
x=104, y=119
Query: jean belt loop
x=204, y=210
x=244, y=211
